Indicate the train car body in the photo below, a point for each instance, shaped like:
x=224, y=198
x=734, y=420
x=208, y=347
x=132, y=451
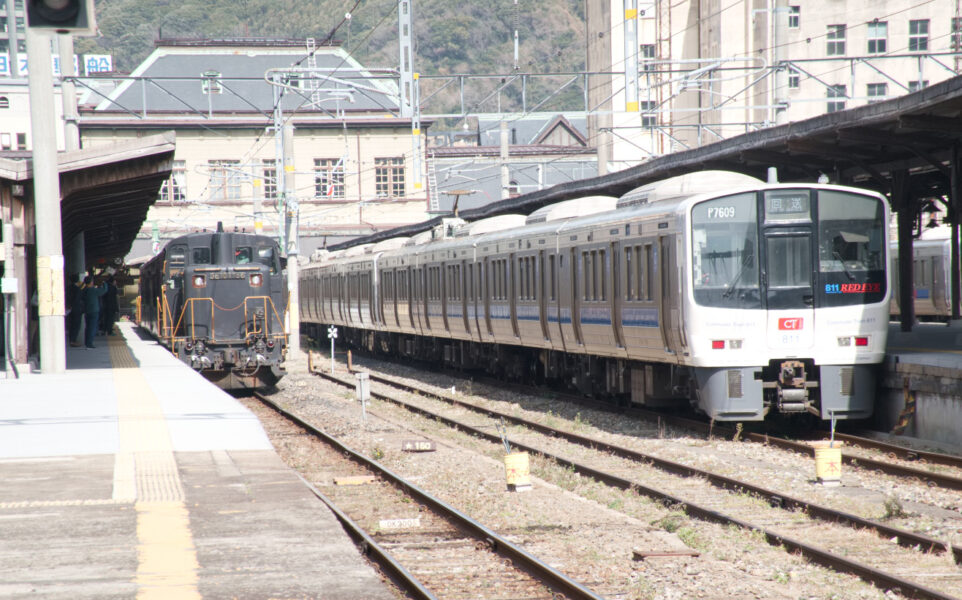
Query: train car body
x=931, y=270
x=739, y=297
x=217, y=301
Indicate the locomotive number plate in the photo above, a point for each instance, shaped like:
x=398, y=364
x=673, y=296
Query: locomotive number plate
x=228, y=275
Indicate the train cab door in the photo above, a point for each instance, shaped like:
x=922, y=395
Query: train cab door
x=670, y=318
x=789, y=283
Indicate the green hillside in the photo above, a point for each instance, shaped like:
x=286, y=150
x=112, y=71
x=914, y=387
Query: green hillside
x=451, y=37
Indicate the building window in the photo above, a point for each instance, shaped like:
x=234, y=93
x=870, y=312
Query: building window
x=225, y=179
x=4, y=102
x=269, y=177
x=876, y=92
x=174, y=188
x=22, y=141
x=955, y=42
x=6, y=141
x=877, y=37
x=210, y=83
x=648, y=117
x=836, y=40
x=646, y=52
x=919, y=35
x=794, y=15
x=794, y=78
x=915, y=86
x=834, y=92
x=328, y=178
x=389, y=177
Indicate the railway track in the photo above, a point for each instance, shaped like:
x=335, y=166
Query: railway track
x=433, y=550
x=881, y=565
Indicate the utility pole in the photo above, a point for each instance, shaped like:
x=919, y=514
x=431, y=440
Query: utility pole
x=291, y=218
x=46, y=197
x=71, y=128
x=505, y=170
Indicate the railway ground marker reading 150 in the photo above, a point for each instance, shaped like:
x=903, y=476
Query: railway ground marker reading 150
x=332, y=335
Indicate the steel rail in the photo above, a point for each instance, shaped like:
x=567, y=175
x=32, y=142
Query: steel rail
x=813, y=553
x=551, y=577
x=904, y=537
x=896, y=451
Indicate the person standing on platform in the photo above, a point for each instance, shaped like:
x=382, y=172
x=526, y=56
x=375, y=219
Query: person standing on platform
x=75, y=308
x=111, y=307
x=92, y=296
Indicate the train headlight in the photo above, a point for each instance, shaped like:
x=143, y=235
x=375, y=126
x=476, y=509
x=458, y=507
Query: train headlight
x=735, y=344
x=256, y=280
x=198, y=281
x=844, y=341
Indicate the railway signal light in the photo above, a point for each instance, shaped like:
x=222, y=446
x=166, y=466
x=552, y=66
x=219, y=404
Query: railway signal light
x=62, y=16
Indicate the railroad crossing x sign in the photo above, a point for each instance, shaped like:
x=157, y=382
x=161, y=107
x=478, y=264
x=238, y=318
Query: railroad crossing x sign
x=332, y=332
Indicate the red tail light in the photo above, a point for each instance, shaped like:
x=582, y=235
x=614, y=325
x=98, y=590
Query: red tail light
x=718, y=344
x=861, y=341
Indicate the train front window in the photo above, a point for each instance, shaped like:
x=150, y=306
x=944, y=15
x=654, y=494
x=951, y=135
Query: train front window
x=725, y=252
x=851, y=249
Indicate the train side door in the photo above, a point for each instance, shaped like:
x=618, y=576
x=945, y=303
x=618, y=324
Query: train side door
x=617, y=297
x=576, y=294
x=466, y=276
x=513, y=293
x=670, y=318
x=542, y=283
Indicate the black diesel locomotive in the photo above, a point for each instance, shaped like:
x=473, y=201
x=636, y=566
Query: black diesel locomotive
x=217, y=301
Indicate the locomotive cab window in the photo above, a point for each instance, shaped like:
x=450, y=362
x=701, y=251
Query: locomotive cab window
x=266, y=256
x=200, y=256
x=177, y=255
x=725, y=265
x=242, y=255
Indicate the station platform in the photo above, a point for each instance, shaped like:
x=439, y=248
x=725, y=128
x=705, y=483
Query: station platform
x=130, y=476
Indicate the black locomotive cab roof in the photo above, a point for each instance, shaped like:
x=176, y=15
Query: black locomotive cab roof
x=222, y=248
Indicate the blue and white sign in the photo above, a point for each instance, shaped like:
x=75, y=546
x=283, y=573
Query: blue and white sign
x=98, y=63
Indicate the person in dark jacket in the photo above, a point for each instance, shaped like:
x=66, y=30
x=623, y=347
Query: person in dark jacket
x=110, y=308
x=75, y=308
x=91, y=296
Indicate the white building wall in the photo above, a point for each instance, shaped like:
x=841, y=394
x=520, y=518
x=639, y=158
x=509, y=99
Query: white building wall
x=714, y=62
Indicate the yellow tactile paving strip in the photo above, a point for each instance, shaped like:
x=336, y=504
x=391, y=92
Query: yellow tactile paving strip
x=145, y=471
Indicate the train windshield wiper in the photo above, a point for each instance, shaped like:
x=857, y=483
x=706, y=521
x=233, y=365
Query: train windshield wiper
x=730, y=287
x=838, y=257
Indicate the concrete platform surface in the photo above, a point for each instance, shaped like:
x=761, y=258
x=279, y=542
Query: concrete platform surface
x=130, y=476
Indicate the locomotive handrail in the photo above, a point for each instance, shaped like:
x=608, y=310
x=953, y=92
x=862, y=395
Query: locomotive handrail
x=249, y=327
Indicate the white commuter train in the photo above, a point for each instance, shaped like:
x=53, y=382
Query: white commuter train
x=740, y=297
x=931, y=273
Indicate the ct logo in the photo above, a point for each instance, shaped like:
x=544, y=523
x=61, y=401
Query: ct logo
x=790, y=323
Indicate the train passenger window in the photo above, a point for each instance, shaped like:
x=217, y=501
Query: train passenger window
x=724, y=241
x=242, y=255
x=200, y=256
x=553, y=275
x=602, y=278
x=649, y=268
